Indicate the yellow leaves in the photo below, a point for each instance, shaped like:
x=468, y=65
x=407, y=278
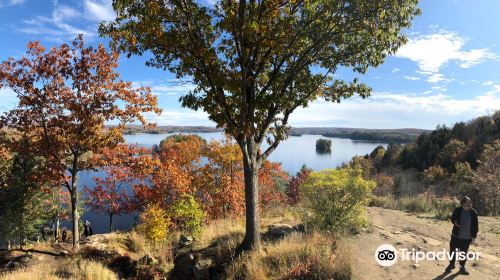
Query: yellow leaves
x=154, y=223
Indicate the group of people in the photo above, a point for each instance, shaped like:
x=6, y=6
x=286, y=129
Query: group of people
x=87, y=231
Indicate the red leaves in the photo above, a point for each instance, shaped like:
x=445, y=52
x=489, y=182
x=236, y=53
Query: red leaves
x=110, y=195
x=292, y=190
x=66, y=94
x=185, y=164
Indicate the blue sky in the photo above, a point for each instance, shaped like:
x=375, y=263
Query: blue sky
x=448, y=72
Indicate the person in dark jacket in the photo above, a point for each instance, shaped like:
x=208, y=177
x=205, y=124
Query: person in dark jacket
x=64, y=235
x=465, y=228
x=86, y=227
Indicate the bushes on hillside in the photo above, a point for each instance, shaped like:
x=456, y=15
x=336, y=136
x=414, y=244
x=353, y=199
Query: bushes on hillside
x=337, y=197
x=487, y=180
x=154, y=223
x=187, y=215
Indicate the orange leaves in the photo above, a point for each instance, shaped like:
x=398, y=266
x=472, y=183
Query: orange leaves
x=223, y=182
x=211, y=172
x=66, y=94
x=272, y=181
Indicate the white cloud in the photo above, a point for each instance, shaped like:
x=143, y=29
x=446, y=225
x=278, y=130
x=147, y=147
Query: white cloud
x=66, y=22
x=488, y=83
x=440, y=88
x=395, y=70
x=412, y=78
x=171, y=87
x=432, y=51
x=391, y=110
x=179, y=116
x=11, y=3
x=99, y=10
x=435, y=77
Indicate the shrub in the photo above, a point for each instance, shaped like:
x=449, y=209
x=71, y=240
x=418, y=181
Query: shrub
x=187, y=215
x=292, y=190
x=417, y=204
x=154, y=223
x=443, y=207
x=337, y=197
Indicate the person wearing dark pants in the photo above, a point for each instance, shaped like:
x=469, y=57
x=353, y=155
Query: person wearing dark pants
x=465, y=228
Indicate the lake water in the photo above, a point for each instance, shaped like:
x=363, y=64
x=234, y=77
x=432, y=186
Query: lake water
x=293, y=153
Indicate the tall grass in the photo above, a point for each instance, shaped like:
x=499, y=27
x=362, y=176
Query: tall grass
x=298, y=256
x=70, y=269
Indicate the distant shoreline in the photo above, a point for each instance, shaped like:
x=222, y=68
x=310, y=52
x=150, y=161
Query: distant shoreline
x=400, y=135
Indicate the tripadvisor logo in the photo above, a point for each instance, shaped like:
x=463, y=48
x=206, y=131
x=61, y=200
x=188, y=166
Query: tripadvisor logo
x=387, y=255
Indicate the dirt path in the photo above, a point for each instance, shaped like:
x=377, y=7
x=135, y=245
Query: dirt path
x=422, y=232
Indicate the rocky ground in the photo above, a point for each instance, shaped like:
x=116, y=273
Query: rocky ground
x=422, y=232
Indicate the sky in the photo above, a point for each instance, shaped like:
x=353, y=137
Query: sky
x=448, y=72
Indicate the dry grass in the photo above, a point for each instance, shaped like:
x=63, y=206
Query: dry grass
x=70, y=269
x=282, y=214
x=137, y=243
x=219, y=230
x=298, y=256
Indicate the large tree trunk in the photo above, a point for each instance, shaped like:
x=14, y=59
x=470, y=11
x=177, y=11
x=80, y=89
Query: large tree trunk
x=56, y=230
x=74, y=203
x=251, y=172
x=75, y=217
x=110, y=222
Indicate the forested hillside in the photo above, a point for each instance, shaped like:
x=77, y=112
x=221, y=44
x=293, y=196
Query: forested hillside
x=449, y=161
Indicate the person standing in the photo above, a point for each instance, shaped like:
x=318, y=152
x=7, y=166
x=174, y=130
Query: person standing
x=464, y=232
x=86, y=226
x=64, y=235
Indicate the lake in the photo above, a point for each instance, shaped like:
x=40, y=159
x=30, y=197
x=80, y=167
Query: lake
x=293, y=153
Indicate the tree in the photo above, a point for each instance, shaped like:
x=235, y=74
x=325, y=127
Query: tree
x=66, y=95
x=154, y=223
x=323, y=146
x=25, y=199
x=453, y=152
x=223, y=179
x=170, y=172
x=255, y=62
x=337, y=197
x=109, y=196
x=292, y=190
x=272, y=180
x=186, y=215
x=435, y=176
x=487, y=179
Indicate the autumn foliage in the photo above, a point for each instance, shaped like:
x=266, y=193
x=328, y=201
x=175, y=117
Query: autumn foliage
x=189, y=179
x=66, y=96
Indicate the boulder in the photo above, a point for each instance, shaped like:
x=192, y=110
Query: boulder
x=148, y=259
x=201, y=269
x=184, y=266
x=64, y=253
x=13, y=265
x=185, y=240
x=278, y=231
